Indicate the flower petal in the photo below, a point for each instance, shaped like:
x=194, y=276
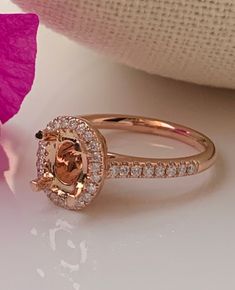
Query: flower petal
x=17, y=60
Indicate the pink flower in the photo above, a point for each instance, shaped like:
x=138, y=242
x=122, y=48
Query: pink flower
x=18, y=49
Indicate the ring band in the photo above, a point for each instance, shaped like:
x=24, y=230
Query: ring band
x=73, y=160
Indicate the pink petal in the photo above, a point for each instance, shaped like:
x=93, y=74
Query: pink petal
x=18, y=49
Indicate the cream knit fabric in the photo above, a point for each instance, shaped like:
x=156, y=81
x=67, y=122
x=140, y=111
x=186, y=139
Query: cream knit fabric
x=190, y=40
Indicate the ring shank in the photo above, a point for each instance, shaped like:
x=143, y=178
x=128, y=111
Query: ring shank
x=205, y=158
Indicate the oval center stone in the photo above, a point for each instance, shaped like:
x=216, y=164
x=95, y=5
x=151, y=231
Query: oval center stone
x=69, y=163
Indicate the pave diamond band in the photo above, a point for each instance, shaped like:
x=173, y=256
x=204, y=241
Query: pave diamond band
x=73, y=160
x=151, y=170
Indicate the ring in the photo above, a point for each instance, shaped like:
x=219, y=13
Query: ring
x=73, y=160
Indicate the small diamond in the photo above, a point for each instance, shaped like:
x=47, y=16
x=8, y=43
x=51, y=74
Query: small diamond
x=88, y=136
x=91, y=188
x=95, y=178
x=160, y=170
x=191, y=168
x=81, y=127
x=87, y=197
x=73, y=123
x=182, y=169
x=113, y=170
x=96, y=156
x=41, y=151
x=40, y=172
x=50, y=126
x=53, y=125
x=43, y=143
x=136, y=170
x=64, y=123
x=148, y=170
x=95, y=167
x=56, y=124
x=124, y=170
x=80, y=203
x=40, y=161
x=171, y=170
x=94, y=146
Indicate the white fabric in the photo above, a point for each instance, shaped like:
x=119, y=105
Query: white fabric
x=190, y=40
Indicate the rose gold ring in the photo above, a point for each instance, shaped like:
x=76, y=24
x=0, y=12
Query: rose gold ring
x=73, y=160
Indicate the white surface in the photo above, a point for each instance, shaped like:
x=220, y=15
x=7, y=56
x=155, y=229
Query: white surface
x=166, y=235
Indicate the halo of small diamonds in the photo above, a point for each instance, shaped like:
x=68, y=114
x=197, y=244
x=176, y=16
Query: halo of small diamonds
x=92, y=145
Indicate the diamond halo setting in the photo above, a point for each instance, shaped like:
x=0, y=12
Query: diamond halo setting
x=66, y=170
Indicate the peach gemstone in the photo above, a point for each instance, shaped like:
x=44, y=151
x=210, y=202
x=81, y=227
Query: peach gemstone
x=70, y=165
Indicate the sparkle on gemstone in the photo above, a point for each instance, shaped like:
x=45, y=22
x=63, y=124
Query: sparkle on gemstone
x=80, y=203
x=148, y=170
x=56, y=124
x=64, y=123
x=191, y=168
x=53, y=125
x=88, y=136
x=94, y=146
x=41, y=151
x=160, y=170
x=73, y=123
x=95, y=167
x=96, y=156
x=40, y=172
x=87, y=197
x=68, y=162
x=114, y=170
x=81, y=127
x=40, y=160
x=171, y=170
x=91, y=188
x=42, y=145
x=136, y=170
x=95, y=178
x=124, y=170
x=50, y=126
x=182, y=169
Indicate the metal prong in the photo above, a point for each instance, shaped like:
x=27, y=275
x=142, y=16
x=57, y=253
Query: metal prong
x=44, y=182
x=46, y=136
